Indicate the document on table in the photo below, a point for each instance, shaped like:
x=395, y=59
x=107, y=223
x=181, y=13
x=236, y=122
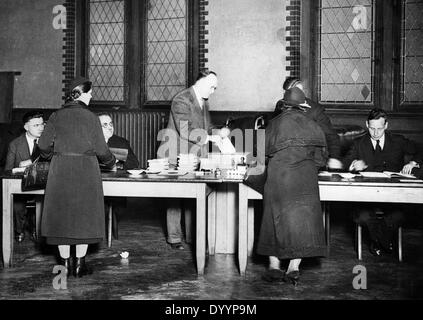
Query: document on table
x=371, y=174
x=225, y=146
x=398, y=174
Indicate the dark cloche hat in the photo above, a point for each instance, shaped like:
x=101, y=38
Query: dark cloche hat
x=76, y=82
x=295, y=97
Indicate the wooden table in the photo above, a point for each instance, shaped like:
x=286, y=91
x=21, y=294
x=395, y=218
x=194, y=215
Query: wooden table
x=120, y=184
x=364, y=190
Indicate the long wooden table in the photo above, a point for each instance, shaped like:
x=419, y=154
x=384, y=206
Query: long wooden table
x=364, y=190
x=120, y=184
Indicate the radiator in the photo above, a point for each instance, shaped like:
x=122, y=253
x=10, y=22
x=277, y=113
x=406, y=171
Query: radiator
x=141, y=129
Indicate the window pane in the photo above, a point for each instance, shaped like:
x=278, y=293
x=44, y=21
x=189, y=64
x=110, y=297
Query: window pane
x=106, y=58
x=166, y=58
x=346, y=45
x=412, y=52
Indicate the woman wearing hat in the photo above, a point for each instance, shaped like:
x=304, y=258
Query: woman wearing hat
x=74, y=203
x=292, y=225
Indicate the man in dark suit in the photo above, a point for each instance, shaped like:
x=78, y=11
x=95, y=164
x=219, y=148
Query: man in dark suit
x=317, y=113
x=21, y=153
x=189, y=130
x=379, y=151
x=125, y=163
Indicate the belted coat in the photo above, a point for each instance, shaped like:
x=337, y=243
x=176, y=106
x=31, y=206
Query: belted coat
x=292, y=224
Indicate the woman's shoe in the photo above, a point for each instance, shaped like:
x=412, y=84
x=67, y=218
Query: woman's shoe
x=80, y=268
x=67, y=264
x=293, y=276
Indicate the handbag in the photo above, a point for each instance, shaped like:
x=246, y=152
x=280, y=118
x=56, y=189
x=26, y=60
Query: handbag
x=35, y=175
x=255, y=178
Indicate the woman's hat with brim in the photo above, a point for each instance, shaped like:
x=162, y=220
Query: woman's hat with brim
x=295, y=97
x=77, y=82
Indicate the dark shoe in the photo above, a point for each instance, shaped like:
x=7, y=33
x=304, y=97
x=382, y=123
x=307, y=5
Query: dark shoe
x=20, y=237
x=375, y=249
x=177, y=246
x=274, y=275
x=293, y=276
x=67, y=264
x=80, y=268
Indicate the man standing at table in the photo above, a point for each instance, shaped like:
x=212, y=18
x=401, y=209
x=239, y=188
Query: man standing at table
x=21, y=153
x=189, y=131
x=380, y=150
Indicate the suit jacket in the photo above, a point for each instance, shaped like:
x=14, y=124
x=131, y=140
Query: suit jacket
x=394, y=150
x=18, y=151
x=317, y=113
x=121, y=143
x=185, y=116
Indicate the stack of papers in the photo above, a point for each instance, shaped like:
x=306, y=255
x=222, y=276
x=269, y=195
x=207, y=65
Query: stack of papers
x=157, y=165
x=188, y=162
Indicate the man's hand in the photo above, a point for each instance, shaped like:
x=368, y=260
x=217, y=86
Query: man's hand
x=409, y=167
x=358, y=165
x=224, y=132
x=334, y=164
x=25, y=163
x=214, y=138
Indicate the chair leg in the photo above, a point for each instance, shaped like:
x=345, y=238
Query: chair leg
x=400, y=244
x=359, y=241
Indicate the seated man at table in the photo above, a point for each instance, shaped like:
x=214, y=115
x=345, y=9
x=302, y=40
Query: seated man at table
x=21, y=153
x=380, y=150
x=118, y=146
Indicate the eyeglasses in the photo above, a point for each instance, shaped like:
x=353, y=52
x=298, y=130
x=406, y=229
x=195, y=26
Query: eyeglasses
x=105, y=125
x=38, y=125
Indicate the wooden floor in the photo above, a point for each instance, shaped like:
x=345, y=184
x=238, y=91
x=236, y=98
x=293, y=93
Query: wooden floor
x=155, y=271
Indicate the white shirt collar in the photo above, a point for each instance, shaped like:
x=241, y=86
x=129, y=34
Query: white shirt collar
x=381, y=142
x=30, y=141
x=199, y=98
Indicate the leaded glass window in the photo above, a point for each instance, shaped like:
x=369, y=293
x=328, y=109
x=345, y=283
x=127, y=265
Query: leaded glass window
x=412, y=52
x=166, y=49
x=346, y=51
x=106, y=49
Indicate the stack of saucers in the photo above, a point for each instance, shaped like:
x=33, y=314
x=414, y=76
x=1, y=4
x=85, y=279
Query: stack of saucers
x=157, y=165
x=188, y=162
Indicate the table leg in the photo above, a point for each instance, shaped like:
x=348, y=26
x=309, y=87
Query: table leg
x=211, y=214
x=38, y=211
x=7, y=226
x=242, y=227
x=201, y=228
x=109, y=225
x=250, y=228
x=326, y=217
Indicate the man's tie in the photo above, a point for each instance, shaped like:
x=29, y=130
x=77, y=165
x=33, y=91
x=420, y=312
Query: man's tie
x=35, y=151
x=378, y=149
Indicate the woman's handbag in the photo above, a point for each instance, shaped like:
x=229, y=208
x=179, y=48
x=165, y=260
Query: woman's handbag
x=255, y=178
x=35, y=175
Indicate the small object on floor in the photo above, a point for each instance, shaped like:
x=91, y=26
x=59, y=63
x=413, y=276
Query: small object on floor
x=293, y=276
x=177, y=246
x=273, y=275
x=375, y=249
x=20, y=237
x=124, y=254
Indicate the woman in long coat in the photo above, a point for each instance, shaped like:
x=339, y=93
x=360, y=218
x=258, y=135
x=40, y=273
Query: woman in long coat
x=292, y=225
x=74, y=203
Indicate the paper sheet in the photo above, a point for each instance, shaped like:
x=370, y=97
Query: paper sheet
x=18, y=170
x=370, y=174
x=225, y=146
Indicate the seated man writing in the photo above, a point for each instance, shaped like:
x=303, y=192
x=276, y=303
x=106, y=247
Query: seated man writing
x=380, y=150
x=21, y=153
